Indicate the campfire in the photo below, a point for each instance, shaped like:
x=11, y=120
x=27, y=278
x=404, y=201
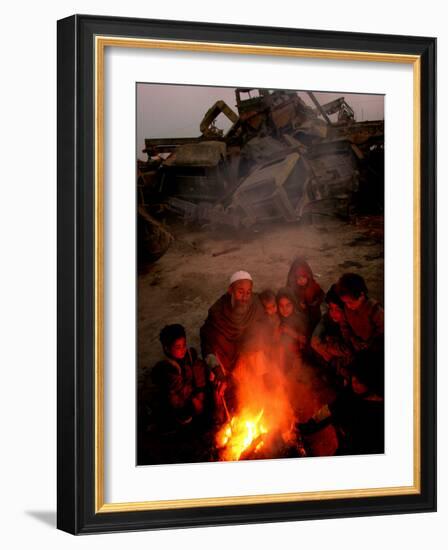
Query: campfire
x=242, y=436
x=264, y=423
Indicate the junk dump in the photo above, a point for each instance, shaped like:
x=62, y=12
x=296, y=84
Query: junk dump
x=280, y=160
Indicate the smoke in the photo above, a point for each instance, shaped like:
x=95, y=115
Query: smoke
x=261, y=384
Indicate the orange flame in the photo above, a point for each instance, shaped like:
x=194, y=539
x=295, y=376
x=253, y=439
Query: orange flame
x=239, y=434
x=269, y=403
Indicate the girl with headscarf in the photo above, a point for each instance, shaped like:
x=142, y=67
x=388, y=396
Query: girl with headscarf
x=308, y=293
x=293, y=327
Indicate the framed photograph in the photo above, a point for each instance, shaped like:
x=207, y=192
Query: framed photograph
x=246, y=274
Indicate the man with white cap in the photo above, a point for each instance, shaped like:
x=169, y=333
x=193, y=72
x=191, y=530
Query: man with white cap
x=233, y=321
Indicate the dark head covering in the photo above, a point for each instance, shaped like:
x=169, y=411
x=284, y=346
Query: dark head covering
x=170, y=333
x=302, y=264
x=332, y=297
x=351, y=284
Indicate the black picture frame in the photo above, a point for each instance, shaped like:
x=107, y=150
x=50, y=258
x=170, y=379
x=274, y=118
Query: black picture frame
x=77, y=508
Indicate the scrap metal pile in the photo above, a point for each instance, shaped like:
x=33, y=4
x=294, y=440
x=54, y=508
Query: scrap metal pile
x=281, y=159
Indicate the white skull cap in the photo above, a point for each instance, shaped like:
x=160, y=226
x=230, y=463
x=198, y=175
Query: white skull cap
x=240, y=276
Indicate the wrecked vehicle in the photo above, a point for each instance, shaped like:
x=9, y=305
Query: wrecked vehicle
x=281, y=159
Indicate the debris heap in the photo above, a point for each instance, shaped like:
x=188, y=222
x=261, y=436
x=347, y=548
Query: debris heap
x=280, y=160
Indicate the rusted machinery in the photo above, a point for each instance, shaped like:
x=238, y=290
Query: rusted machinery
x=281, y=159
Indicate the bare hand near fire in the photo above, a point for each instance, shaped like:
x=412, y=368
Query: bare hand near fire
x=216, y=370
x=212, y=361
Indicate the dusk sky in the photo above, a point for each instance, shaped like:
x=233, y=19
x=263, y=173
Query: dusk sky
x=165, y=110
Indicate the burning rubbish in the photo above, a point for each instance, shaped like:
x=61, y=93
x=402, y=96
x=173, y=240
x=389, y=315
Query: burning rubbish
x=281, y=159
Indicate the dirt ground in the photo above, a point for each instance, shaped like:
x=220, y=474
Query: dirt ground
x=182, y=285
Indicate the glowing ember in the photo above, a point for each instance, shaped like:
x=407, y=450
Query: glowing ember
x=239, y=434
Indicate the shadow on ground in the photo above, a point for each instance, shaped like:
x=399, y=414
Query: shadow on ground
x=44, y=516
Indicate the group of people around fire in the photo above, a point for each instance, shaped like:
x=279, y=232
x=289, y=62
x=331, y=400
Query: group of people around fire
x=340, y=333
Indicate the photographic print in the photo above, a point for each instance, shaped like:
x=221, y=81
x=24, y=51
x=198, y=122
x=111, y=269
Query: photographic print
x=260, y=235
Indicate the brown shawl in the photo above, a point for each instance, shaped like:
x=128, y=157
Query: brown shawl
x=227, y=330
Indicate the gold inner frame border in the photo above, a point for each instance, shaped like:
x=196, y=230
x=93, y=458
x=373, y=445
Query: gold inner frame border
x=101, y=42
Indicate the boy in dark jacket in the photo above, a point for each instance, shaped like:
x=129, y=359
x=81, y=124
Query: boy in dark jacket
x=327, y=340
x=174, y=404
x=180, y=380
x=365, y=317
x=364, y=326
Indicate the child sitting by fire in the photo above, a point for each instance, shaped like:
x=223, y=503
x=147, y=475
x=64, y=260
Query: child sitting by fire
x=327, y=341
x=364, y=327
x=307, y=292
x=356, y=415
x=293, y=328
x=268, y=300
x=180, y=379
x=175, y=402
